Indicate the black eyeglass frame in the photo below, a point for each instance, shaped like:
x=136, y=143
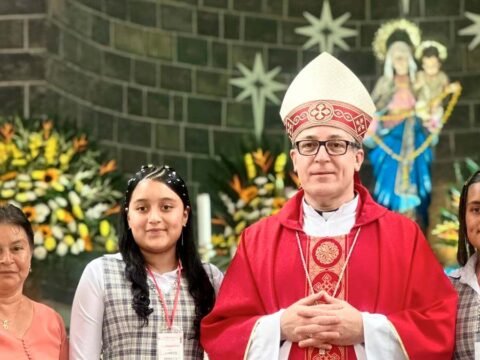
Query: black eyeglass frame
x=324, y=143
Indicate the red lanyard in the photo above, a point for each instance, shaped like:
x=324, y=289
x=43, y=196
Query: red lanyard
x=168, y=319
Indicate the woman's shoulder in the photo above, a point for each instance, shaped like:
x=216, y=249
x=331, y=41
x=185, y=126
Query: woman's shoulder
x=46, y=312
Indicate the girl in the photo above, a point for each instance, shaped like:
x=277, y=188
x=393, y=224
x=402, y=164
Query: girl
x=147, y=301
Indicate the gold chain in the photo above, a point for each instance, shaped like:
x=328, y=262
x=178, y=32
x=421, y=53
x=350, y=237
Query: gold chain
x=413, y=155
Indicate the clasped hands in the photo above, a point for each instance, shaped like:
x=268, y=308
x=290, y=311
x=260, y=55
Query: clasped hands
x=320, y=321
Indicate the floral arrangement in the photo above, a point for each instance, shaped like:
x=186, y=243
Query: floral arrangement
x=57, y=180
x=258, y=187
x=446, y=230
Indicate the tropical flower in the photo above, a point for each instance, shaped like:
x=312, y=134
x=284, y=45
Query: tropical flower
x=258, y=187
x=59, y=182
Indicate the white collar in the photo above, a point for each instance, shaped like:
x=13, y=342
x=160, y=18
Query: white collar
x=345, y=210
x=466, y=274
x=332, y=223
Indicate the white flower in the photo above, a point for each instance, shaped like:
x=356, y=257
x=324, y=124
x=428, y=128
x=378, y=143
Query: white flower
x=96, y=211
x=261, y=180
x=266, y=211
x=240, y=204
x=62, y=249
x=53, y=204
x=41, y=212
x=62, y=202
x=9, y=184
x=228, y=231
x=57, y=232
x=41, y=185
x=268, y=202
x=81, y=244
x=39, y=192
x=74, y=249
x=253, y=215
x=262, y=191
x=38, y=238
x=23, y=177
x=72, y=226
x=40, y=253
x=74, y=198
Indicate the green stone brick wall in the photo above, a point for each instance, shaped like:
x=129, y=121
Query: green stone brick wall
x=22, y=56
x=150, y=78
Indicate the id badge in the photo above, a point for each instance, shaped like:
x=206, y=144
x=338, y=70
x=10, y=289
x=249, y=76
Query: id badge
x=170, y=345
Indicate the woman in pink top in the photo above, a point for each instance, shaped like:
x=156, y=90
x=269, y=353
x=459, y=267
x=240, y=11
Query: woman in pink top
x=28, y=330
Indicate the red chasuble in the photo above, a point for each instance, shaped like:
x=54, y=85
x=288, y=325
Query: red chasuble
x=391, y=271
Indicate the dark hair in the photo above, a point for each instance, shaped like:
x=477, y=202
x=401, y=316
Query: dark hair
x=430, y=51
x=10, y=214
x=465, y=248
x=199, y=285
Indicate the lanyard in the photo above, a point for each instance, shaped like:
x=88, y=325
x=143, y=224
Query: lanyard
x=168, y=319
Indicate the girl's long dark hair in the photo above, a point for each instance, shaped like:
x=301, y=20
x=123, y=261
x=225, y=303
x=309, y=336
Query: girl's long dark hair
x=199, y=285
x=465, y=248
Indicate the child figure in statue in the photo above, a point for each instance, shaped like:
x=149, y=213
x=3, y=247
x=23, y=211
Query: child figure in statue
x=401, y=165
x=431, y=83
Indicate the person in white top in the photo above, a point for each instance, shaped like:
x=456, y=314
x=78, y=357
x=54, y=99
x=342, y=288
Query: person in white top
x=465, y=279
x=333, y=275
x=147, y=301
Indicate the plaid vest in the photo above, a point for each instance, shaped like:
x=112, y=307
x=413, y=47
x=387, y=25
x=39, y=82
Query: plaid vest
x=123, y=335
x=468, y=313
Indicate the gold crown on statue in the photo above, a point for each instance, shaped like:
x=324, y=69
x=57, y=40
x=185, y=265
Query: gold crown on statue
x=442, y=50
x=384, y=33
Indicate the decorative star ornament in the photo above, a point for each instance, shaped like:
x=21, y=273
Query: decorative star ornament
x=326, y=31
x=259, y=85
x=473, y=29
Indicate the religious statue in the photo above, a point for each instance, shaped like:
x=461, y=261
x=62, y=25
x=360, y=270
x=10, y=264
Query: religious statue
x=409, y=118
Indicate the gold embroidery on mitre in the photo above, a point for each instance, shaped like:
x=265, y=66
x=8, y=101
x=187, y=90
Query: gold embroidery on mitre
x=320, y=112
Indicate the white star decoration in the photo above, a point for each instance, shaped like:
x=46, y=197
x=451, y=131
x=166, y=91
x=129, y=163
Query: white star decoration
x=259, y=85
x=405, y=7
x=326, y=31
x=473, y=29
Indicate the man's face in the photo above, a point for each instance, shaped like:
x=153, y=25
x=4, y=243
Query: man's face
x=326, y=179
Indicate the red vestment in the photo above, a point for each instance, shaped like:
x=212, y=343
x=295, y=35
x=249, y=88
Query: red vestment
x=392, y=271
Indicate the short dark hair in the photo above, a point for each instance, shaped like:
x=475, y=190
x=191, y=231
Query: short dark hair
x=10, y=214
x=465, y=248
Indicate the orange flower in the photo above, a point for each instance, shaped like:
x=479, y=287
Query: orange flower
x=264, y=160
x=8, y=176
x=80, y=144
x=108, y=167
x=246, y=194
x=47, y=126
x=7, y=131
x=29, y=212
x=113, y=210
x=88, y=243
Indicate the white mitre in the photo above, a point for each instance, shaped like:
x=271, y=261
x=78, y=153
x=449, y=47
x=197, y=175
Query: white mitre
x=326, y=92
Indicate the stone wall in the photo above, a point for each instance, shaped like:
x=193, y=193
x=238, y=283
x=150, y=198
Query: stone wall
x=150, y=78
x=22, y=56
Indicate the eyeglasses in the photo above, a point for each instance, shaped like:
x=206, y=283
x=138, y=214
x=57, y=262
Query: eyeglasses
x=333, y=147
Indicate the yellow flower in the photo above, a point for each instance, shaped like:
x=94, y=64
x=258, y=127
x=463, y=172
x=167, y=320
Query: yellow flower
x=78, y=212
x=64, y=216
x=3, y=153
x=240, y=226
x=83, y=230
x=69, y=240
x=50, y=243
x=280, y=163
x=35, y=143
x=51, y=150
x=66, y=158
x=250, y=166
x=110, y=245
x=7, y=193
x=104, y=228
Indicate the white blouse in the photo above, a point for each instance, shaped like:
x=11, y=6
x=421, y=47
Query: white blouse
x=88, y=307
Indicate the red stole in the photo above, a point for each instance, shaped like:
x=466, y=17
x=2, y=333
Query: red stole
x=325, y=259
